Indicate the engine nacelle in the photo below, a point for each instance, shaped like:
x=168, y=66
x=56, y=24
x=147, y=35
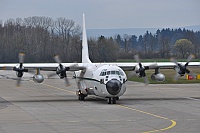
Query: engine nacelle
x=159, y=77
x=38, y=78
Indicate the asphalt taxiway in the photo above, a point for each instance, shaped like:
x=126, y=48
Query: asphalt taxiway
x=51, y=107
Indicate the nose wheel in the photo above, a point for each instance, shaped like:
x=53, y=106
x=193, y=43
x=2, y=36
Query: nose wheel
x=112, y=100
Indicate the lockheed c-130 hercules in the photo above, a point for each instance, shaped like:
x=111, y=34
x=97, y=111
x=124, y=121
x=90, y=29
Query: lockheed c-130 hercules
x=106, y=80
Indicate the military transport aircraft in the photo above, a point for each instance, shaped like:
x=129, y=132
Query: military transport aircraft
x=107, y=80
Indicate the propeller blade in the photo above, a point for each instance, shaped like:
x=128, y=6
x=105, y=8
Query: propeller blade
x=146, y=80
x=57, y=59
x=174, y=60
x=51, y=75
x=187, y=71
x=18, y=83
x=131, y=74
x=81, y=77
x=142, y=69
x=21, y=57
x=140, y=65
x=190, y=57
x=182, y=69
x=137, y=58
x=61, y=71
x=177, y=76
x=66, y=81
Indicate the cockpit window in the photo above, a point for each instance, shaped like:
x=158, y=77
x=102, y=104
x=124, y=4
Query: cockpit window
x=112, y=72
x=117, y=72
x=103, y=72
x=108, y=72
x=121, y=73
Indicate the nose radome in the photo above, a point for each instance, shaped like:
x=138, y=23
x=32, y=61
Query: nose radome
x=113, y=86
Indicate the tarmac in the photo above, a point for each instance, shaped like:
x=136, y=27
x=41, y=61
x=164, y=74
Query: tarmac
x=51, y=107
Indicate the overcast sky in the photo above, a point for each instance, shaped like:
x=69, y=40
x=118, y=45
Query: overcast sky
x=107, y=14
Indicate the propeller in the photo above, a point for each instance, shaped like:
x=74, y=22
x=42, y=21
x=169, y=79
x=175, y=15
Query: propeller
x=182, y=69
x=80, y=78
x=61, y=70
x=20, y=68
x=141, y=70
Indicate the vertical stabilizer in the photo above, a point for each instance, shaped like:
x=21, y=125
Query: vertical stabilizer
x=85, y=54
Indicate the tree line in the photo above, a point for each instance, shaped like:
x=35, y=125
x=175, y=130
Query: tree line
x=40, y=38
x=164, y=44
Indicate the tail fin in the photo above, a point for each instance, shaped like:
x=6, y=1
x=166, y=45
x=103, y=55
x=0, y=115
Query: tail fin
x=85, y=54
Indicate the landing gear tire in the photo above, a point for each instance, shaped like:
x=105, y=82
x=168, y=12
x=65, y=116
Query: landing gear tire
x=109, y=100
x=81, y=96
x=117, y=98
x=112, y=100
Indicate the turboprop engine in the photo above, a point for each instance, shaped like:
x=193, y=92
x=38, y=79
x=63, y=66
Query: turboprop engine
x=159, y=77
x=38, y=78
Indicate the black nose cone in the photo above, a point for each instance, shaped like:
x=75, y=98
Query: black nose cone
x=113, y=86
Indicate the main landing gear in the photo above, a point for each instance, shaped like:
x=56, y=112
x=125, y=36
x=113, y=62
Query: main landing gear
x=80, y=95
x=112, y=100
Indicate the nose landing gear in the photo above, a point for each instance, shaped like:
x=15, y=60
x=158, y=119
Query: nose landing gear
x=112, y=100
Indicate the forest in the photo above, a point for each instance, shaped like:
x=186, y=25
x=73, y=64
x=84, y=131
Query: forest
x=40, y=38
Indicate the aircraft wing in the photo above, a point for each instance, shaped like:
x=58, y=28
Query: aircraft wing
x=168, y=65
x=80, y=66
x=43, y=66
x=161, y=65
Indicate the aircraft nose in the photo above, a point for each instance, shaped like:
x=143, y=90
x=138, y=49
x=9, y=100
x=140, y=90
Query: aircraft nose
x=113, y=86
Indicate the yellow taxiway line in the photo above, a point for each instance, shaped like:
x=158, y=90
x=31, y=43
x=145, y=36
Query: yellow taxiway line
x=58, y=88
x=161, y=117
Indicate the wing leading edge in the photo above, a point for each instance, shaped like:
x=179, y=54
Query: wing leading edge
x=161, y=65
